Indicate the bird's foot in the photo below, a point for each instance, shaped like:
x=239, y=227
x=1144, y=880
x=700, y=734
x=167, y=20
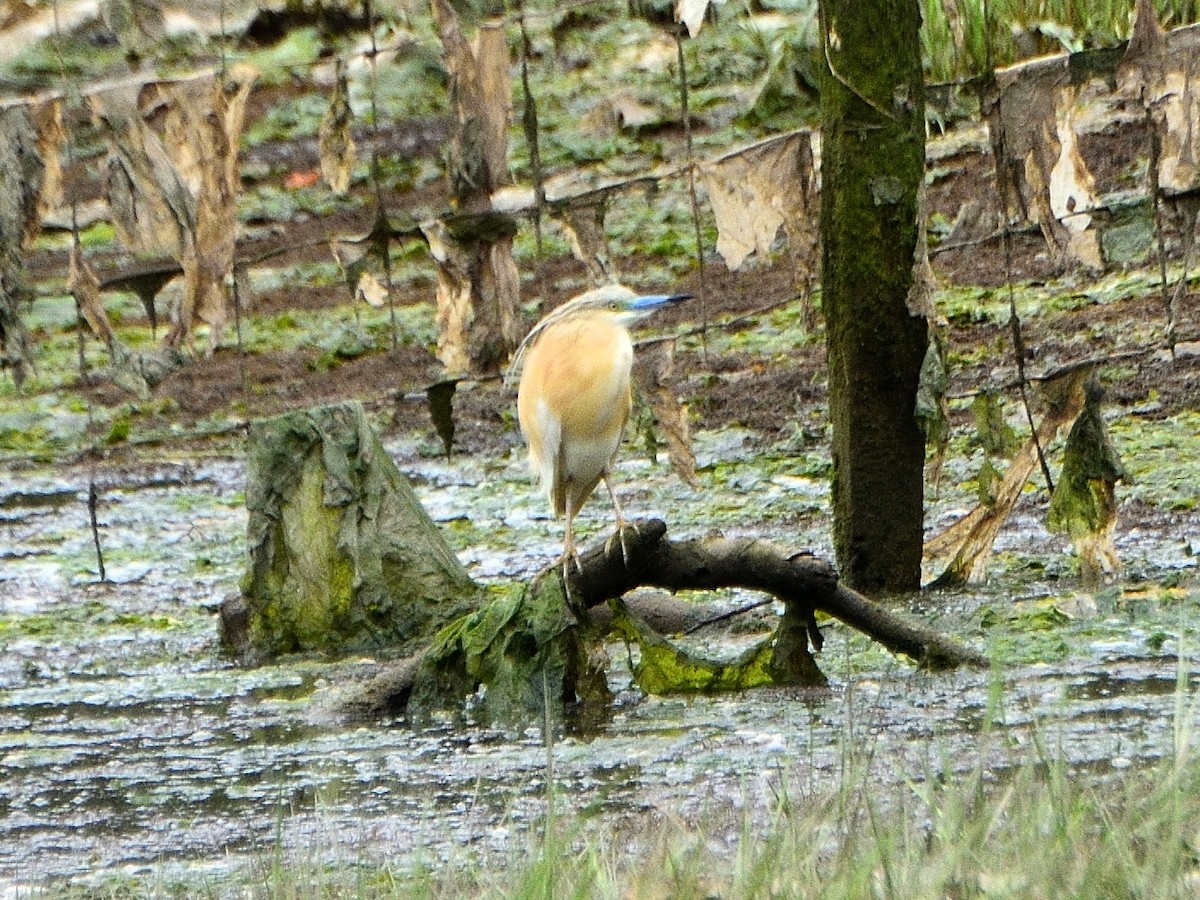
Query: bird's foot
x=567, y=558
x=623, y=525
x=571, y=556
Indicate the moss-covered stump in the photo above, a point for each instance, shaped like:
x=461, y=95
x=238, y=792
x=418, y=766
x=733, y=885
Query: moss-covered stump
x=343, y=558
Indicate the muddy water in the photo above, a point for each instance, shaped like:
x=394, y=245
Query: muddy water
x=130, y=749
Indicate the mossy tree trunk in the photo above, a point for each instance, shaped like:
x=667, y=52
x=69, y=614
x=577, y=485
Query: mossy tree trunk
x=873, y=159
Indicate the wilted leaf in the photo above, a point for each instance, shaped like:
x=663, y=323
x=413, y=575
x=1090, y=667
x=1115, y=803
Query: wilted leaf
x=85, y=287
x=360, y=257
x=987, y=480
x=1147, y=40
x=478, y=287
x=756, y=190
x=370, y=290
x=1084, y=502
x=482, y=99
x=931, y=395
x=211, y=125
x=138, y=24
x=336, y=142
x=969, y=540
x=441, y=409
x=51, y=136
x=584, y=227
x=992, y=430
x=671, y=414
x=1161, y=69
x=1032, y=126
x=152, y=208
x=20, y=179
x=692, y=12
x=139, y=372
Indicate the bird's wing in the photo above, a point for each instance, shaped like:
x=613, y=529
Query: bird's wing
x=546, y=458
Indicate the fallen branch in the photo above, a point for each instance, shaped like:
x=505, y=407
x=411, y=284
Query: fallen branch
x=796, y=579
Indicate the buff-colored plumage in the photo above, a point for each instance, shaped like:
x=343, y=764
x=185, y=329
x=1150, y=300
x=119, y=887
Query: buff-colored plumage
x=574, y=397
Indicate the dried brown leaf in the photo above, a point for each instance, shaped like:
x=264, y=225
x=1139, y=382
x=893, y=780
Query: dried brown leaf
x=1045, y=180
x=481, y=95
x=584, y=227
x=152, y=208
x=201, y=120
x=651, y=370
x=138, y=24
x=370, y=290
x=969, y=541
x=756, y=191
x=1147, y=41
x=478, y=290
x=85, y=286
x=335, y=139
x=51, y=137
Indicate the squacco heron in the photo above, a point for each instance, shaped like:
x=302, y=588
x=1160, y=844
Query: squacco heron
x=575, y=397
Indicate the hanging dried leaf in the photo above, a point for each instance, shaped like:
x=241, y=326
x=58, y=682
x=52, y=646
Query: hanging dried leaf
x=651, y=370
x=22, y=173
x=969, y=541
x=478, y=287
x=584, y=227
x=1031, y=121
x=85, y=286
x=210, y=124
x=992, y=431
x=930, y=410
x=138, y=24
x=1084, y=503
x=1147, y=40
x=370, y=290
x=152, y=209
x=692, y=12
x=173, y=180
x=440, y=397
x=1163, y=71
x=335, y=139
x=757, y=190
x=51, y=138
x=361, y=260
x=481, y=94
x=455, y=308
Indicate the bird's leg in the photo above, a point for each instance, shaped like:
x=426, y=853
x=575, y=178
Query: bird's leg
x=622, y=523
x=570, y=553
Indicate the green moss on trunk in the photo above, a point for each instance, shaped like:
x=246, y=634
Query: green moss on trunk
x=342, y=556
x=873, y=156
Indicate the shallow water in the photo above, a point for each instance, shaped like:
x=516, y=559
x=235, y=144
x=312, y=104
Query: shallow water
x=131, y=749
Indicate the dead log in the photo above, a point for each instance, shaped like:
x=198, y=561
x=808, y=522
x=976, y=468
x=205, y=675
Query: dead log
x=801, y=581
x=542, y=646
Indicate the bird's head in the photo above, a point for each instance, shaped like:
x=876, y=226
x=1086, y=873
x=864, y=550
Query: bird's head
x=624, y=304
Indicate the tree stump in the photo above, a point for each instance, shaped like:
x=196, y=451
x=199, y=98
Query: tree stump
x=343, y=558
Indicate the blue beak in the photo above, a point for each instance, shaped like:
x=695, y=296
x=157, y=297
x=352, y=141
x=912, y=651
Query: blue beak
x=652, y=301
